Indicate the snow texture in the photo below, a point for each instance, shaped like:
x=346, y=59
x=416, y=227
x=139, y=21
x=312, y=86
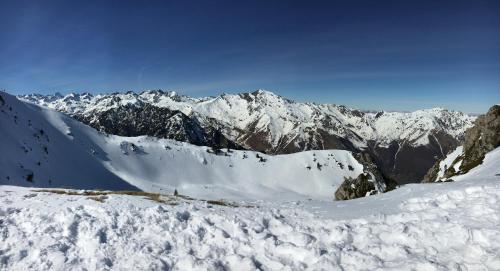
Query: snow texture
x=446, y=226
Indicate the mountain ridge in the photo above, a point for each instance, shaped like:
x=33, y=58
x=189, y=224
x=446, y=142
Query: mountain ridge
x=266, y=122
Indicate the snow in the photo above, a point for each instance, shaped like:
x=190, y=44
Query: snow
x=279, y=116
x=280, y=217
x=70, y=154
x=446, y=226
x=48, y=145
x=490, y=166
x=448, y=161
x=194, y=171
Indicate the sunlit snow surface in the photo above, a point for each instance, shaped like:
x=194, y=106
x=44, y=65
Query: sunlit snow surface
x=446, y=226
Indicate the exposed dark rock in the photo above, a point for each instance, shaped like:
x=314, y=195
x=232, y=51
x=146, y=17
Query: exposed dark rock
x=366, y=159
x=29, y=176
x=261, y=159
x=317, y=139
x=409, y=164
x=131, y=120
x=355, y=188
x=481, y=139
x=370, y=182
x=432, y=174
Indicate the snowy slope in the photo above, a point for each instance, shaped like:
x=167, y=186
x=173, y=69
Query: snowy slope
x=446, y=226
x=490, y=167
x=194, y=171
x=38, y=148
x=44, y=148
x=448, y=161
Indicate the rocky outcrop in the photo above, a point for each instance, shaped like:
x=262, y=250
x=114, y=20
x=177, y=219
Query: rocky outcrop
x=432, y=173
x=482, y=138
x=370, y=182
x=146, y=119
x=359, y=187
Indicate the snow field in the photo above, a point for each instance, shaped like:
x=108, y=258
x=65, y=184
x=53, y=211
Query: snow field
x=455, y=228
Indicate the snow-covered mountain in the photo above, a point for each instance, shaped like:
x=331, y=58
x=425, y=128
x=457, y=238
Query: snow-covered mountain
x=404, y=145
x=44, y=148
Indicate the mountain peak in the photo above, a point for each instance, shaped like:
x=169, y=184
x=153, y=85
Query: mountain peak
x=263, y=92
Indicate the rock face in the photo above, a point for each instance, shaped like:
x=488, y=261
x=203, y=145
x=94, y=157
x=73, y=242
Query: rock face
x=373, y=170
x=432, y=175
x=356, y=188
x=146, y=119
x=482, y=138
x=370, y=182
x=405, y=162
x=403, y=145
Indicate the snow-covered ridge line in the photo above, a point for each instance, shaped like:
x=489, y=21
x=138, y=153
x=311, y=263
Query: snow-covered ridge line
x=278, y=115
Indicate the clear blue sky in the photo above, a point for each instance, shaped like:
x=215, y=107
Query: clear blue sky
x=394, y=55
